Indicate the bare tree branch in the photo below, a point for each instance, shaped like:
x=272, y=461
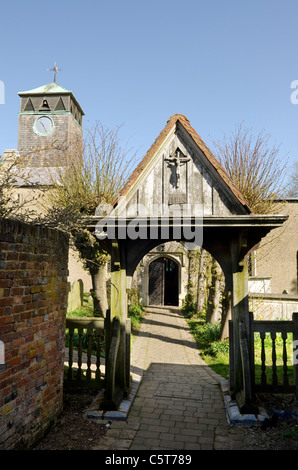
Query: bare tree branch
x=255, y=167
x=293, y=184
x=14, y=176
x=89, y=178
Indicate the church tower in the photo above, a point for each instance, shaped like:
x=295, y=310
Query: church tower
x=49, y=131
x=50, y=122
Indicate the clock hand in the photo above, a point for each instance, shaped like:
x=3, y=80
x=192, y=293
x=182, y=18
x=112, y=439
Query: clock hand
x=44, y=126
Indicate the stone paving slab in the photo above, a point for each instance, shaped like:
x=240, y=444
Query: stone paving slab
x=178, y=403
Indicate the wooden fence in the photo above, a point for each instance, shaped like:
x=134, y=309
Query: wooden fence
x=285, y=328
x=85, y=340
x=269, y=363
x=88, y=340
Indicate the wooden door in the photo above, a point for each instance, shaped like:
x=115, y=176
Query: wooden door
x=156, y=282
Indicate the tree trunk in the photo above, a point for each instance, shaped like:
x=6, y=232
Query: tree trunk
x=226, y=315
x=99, y=291
x=201, y=282
x=214, y=295
x=192, y=276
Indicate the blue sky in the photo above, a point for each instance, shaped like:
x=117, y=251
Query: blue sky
x=135, y=63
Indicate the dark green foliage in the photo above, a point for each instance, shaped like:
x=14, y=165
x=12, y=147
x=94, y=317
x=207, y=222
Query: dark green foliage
x=189, y=307
x=75, y=342
x=208, y=338
x=135, y=309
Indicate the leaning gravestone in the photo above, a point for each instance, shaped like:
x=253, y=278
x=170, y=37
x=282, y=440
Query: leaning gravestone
x=75, y=295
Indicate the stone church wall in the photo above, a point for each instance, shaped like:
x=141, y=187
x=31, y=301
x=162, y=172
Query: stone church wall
x=175, y=251
x=277, y=255
x=33, y=296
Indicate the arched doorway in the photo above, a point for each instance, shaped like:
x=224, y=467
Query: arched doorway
x=163, y=282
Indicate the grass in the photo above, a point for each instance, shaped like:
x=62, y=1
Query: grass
x=86, y=310
x=279, y=357
x=216, y=353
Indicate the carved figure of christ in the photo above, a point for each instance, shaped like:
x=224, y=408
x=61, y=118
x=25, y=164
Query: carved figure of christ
x=177, y=160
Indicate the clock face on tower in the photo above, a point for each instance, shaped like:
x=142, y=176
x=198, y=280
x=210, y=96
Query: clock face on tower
x=43, y=125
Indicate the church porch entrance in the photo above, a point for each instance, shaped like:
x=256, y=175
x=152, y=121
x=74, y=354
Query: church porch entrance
x=163, y=282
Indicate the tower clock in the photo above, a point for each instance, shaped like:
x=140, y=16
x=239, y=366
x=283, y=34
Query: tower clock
x=50, y=123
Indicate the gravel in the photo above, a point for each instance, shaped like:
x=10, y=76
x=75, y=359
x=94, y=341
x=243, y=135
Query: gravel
x=73, y=431
x=280, y=431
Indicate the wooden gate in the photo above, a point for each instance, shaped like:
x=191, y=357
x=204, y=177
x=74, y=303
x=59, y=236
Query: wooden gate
x=269, y=363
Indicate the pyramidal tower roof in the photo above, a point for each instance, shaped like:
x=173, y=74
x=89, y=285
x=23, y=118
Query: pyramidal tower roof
x=50, y=88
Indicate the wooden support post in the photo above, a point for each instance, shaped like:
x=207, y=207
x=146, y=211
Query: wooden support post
x=242, y=380
x=117, y=387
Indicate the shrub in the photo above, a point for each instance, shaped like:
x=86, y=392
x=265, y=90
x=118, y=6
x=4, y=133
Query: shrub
x=208, y=338
x=135, y=309
x=189, y=308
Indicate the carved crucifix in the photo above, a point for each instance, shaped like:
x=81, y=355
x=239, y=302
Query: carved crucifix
x=177, y=159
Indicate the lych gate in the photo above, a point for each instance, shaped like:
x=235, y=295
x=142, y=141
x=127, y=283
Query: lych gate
x=180, y=192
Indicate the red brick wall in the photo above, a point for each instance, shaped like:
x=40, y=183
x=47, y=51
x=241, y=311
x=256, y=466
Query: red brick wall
x=33, y=296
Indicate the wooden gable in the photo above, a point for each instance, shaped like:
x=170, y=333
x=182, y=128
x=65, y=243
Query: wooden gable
x=179, y=173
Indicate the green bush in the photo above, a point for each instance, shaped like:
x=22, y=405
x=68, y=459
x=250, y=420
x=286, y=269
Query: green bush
x=208, y=338
x=84, y=339
x=136, y=313
x=189, y=309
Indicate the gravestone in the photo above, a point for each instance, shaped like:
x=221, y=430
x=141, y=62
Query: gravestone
x=75, y=295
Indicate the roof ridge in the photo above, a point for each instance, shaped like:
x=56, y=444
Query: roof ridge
x=215, y=163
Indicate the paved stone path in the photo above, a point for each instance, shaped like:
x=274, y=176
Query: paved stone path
x=179, y=404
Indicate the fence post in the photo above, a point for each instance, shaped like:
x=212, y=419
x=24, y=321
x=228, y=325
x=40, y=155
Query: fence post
x=251, y=346
x=111, y=395
x=128, y=347
x=231, y=356
x=295, y=359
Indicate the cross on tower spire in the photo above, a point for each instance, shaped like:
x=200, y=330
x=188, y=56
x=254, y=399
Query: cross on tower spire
x=55, y=70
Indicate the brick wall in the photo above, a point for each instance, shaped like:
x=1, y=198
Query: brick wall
x=33, y=295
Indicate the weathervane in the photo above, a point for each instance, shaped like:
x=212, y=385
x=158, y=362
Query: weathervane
x=55, y=70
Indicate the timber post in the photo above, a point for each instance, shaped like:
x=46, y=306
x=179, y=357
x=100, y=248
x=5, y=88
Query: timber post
x=241, y=381
x=117, y=373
